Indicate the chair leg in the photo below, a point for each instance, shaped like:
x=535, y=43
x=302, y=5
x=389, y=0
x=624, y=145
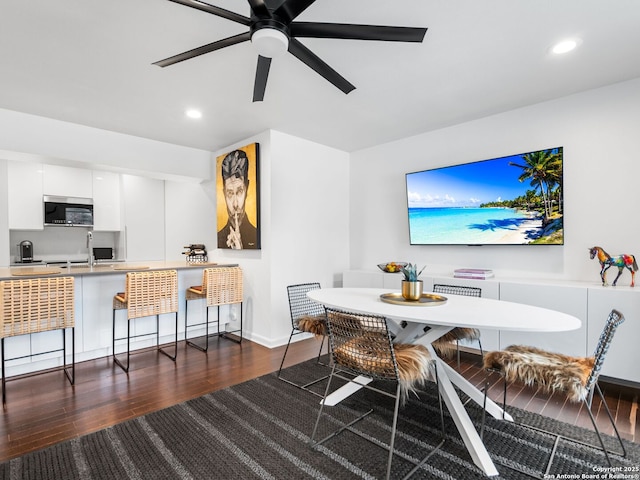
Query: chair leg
x=484, y=401
x=206, y=332
x=437, y=447
x=343, y=427
x=113, y=344
x=587, y=405
x=285, y=353
x=315, y=427
x=71, y=377
x=308, y=384
x=4, y=378
x=175, y=341
x=393, y=431
x=324, y=337
x=224, y=334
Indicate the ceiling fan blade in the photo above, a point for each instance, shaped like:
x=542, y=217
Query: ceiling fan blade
x=259, y=8
x=220, y=12
x=290, y=9
x=306, y=56
x=262, y=73
x=211, y=47
x=357, y=32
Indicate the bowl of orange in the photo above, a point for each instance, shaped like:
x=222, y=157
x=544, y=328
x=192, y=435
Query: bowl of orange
x=392, y=267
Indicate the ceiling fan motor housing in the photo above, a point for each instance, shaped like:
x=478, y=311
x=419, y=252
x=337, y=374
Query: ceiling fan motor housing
x=270, y=37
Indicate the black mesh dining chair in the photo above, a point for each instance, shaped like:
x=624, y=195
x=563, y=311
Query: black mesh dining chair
x=361, y=345
x=307, y=316
x=449, y=343
x=574, y=377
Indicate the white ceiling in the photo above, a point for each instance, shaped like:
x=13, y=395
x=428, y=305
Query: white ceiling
x=90, y=62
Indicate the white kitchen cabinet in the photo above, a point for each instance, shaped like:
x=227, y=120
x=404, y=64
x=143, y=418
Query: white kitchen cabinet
x=106, y=201
x=25, y=207
x=144, y=218
x=562, y=298
x=623, y=356
x=67, y=181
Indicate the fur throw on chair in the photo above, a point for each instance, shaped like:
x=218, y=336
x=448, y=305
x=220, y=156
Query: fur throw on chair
x=315, y=324
x=413, y=361
x=554, y=372
x=446, y=344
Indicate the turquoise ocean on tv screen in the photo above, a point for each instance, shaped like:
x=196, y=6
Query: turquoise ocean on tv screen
x=446, y=226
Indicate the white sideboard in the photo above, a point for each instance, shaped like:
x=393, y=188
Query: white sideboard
x=588, y=301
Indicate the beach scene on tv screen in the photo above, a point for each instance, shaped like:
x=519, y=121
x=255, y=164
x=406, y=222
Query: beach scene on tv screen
x=512, y=200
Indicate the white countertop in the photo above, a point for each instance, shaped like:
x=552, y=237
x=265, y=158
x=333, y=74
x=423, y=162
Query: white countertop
x=44, y=270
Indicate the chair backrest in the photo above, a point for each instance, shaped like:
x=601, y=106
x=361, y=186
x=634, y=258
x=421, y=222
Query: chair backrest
x=457, y=290
x=36, y=305
x=613, y=321
x=302, y=306
x=151, y=293
x=223, y=285
x=362, y=344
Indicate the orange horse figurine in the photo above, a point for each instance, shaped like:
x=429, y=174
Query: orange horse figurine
x=607, y=261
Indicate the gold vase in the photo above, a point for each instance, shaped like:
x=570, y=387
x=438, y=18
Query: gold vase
x=411, y=290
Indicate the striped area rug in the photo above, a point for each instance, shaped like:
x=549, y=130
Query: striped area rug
x=260, y=429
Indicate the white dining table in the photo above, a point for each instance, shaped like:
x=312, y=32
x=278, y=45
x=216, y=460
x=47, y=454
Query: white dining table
x=408, y=322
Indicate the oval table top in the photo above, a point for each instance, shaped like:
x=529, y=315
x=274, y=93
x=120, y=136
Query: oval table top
x=458, y=310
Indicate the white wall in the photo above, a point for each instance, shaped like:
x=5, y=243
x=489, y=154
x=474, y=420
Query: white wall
x=190, y=217
x=29, y=137
x=599, y=132
x=309, y=220
x=304, y=229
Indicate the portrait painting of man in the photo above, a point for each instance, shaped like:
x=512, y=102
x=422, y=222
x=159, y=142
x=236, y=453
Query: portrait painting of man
x=237, y=198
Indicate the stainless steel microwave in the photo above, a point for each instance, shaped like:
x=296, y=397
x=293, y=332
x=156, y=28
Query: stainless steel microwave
x=69, y=211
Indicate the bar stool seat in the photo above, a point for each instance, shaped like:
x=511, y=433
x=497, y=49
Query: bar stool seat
x=146, y=294
x=37, y=305
x=220, y=286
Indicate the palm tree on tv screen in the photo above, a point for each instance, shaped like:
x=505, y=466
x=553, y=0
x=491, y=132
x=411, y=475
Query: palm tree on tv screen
x=543, y=169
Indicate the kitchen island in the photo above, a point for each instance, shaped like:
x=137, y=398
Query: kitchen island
x=95, y=287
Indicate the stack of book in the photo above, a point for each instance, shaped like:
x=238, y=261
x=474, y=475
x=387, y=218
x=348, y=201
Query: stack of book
x=473, y=273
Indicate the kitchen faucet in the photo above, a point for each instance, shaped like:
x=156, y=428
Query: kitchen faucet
x=91, y=260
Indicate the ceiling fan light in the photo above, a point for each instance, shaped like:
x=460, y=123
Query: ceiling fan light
x=565, y=46
x=269, y=42
x=193, y=113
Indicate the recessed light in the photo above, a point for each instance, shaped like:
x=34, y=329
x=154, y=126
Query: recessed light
x=565, y=46
x=194, y=113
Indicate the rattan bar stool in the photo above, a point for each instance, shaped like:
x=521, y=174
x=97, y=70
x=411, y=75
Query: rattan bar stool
x=38, y=305
x=147, y=294
x=445, y=344
x=220, y=286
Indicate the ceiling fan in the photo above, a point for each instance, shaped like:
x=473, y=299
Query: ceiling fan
x=272, y=30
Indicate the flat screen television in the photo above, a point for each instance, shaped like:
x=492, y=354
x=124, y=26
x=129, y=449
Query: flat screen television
x=514, y=200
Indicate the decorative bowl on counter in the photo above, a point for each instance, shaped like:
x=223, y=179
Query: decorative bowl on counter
x=392, y=267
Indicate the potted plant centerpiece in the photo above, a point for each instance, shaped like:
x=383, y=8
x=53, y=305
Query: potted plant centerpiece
x=411, y=286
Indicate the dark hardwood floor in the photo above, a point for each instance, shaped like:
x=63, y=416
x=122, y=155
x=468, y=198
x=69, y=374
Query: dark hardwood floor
x=42, y=410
